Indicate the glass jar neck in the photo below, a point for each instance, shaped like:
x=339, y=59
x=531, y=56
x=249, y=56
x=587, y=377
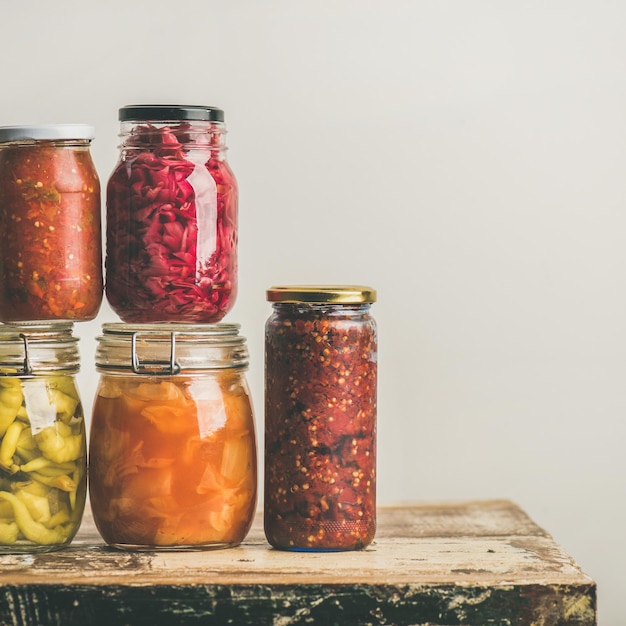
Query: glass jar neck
x=168, y=349
x=172, y=137
x=321, y=308
x=36, y=349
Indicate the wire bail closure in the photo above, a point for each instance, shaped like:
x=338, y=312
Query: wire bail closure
x=169, y=368
x=27, y=368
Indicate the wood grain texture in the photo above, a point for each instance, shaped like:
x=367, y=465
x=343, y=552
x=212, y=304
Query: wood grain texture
x=474, y=563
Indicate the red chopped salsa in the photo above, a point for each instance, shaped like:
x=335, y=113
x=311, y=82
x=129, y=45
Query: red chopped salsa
x=50, y=258
x=172, y=226
x=320, y=427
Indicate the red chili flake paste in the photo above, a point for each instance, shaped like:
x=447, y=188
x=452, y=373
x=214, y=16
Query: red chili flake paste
x=50, y=257
x=320, y=429
x=171, y=229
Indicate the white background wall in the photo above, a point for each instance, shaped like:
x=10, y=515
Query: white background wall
x=466, y=158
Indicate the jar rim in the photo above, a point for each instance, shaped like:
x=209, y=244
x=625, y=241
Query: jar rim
x=37, y=331
x=170, y=113
x=165, y=329
x=327, y=294
x=47, y=132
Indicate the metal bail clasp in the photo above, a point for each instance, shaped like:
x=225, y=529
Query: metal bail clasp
x=152, y=367
x=27, y=366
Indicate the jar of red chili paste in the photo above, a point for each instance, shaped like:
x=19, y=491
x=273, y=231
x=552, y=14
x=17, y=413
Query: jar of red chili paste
x=43, y=451
x=172, y=450
x=320, y=418
x=172, y=217
x=51, y=253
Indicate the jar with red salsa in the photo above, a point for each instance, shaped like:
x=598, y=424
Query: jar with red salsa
x=320, y=418
x=172, y=217
x=51, y=253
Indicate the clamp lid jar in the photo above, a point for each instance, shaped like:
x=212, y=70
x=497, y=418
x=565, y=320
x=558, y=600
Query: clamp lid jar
x=43, y=453
x=172, y=444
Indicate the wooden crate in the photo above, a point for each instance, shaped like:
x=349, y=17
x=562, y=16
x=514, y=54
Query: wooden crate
x=476, y=563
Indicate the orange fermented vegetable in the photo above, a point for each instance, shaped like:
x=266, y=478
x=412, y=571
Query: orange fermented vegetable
x=173, y=461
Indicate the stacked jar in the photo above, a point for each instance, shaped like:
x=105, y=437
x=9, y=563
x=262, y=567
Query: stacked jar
x=50, y=277
x=172, y=443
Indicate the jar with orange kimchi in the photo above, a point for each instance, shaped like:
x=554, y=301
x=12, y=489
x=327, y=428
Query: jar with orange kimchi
x=172, y=446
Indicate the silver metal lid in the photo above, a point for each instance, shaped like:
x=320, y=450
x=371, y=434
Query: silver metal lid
x=47, y=132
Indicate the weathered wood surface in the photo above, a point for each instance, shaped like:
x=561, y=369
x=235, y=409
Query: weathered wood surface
x=474, y=563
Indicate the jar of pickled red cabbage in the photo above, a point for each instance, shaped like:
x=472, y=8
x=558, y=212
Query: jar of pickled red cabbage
x=320, y=418
x=172, y=450
x=43, y=452
x=171, y=241
x=51, y=253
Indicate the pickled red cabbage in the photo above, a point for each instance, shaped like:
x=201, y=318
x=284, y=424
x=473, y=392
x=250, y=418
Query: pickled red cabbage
x=171, y=230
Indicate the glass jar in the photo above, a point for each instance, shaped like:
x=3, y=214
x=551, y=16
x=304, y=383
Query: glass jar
x=172, y=448
x=320, y=418
x=172, y=217
x=43, y=452
x=51, y=253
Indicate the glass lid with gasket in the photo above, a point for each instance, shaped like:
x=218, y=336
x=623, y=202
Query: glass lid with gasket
x=169, y=348
x=31, y=349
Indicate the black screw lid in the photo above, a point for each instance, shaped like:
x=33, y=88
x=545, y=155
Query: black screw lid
x=170, y=113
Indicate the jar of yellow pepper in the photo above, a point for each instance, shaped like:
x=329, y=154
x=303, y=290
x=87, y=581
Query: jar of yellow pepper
x=43, y=458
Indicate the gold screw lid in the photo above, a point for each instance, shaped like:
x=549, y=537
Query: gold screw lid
x=333, y=294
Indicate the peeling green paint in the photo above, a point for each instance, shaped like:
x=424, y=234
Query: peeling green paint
x=330, y=605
